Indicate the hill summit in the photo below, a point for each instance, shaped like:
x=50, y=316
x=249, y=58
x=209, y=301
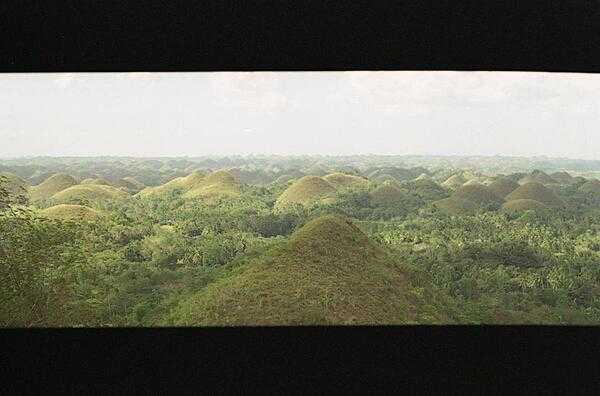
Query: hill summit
x=329, y=273
x=305, y=191
x=535, y=191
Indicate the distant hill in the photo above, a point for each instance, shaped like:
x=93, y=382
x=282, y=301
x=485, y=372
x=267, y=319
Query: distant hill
x=537, y=176
x=342, y=180
x=52, y=185
x=329, y=273
x=386, y=194
x=216, y=184
x=535, y=191
x=99, y=181
x=503, y=186
x=455, y=207
x=455, y=181
x=185, y=184
x=478, y=194
x=88, y=193
x=562, y=177
x=305, y=191
x=591, y=186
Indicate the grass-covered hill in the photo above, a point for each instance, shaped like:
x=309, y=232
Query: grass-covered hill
x=562, y=177
x=592, y=186
x=220, y=183
x=99, y=181
x=539, y=177
x=479, y=180
x=342, y=180
x=455, y=206
x=330, y=273
x=184, y=184
x=383, y=177
x=520, y=205
x=52, y=185
x=479, y=194
x=536, y=191
x=70, y=212
x=503, y=186
x=388, y=193
x=426, y=189
x=454, y=181
x=88, y=193
x=305, y=191
x=130, y=184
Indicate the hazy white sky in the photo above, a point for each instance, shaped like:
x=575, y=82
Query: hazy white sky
x=397, y=112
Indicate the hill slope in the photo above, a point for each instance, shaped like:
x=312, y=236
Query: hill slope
x=88, y=193
x=535, y=191
x=342, y=180
x=218, y=183
x=328, y=273
x=477, y=193
x=51, y=186
x=503, y=186
x=306, y=190
x=70, y=212
x=592, y=186
x=520, y=205
x=185, y=184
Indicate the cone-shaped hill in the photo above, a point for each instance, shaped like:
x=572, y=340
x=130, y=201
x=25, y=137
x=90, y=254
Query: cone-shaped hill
x=383, y=177
x=478, y=194
x=591, y=186
x=387, y=194
x=562, y=177
x=99, y=181
x=185, y=184
x=427, y=189
x=216, y=184
x=503, y=186
x=455, y=207
x=342, y=180
x=537, y=192
x=51, y=186
x=537, y=176
x=70, y=212
x=130, y=184
x=305, y=191
x=454, y=181
x=520, y=205
x=88, y=193
x=329, y=273
x=478, y=180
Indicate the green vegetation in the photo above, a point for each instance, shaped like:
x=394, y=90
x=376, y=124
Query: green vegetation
x=51, y=186
x=255, y=241
x=535, y=191
x=217, y=184
x=305, y=191
x=519, y=205
x=70, y=212
x=341, y=180
x=503, y=186
x=88, y=193
x=99, y=181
